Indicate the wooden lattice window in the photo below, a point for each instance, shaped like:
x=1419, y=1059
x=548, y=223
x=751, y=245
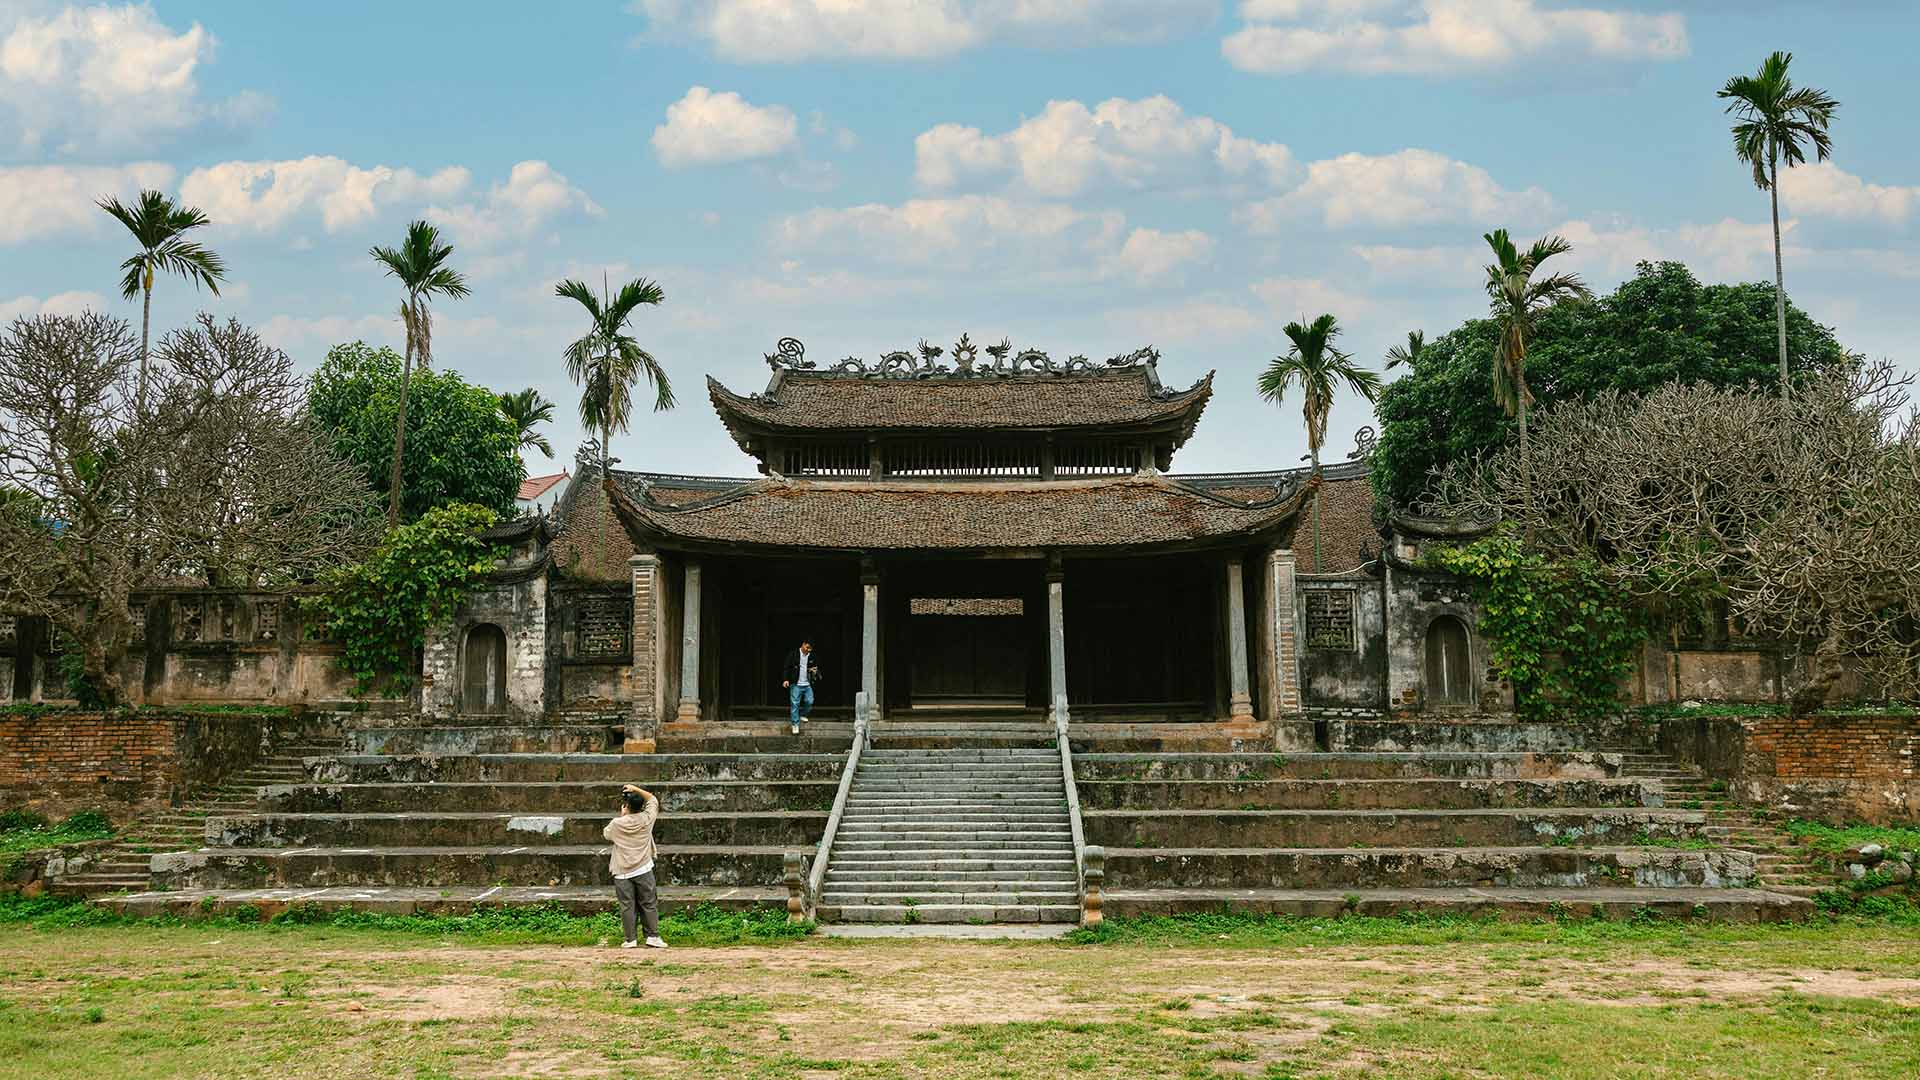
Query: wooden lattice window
x=964, y=459
x=603, y=627
x=827, y=459
x=1106, y=457
x=1330, y=619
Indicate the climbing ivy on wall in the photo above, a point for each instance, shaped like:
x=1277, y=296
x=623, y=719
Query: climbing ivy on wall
x=378, y=611
x=1562, y=634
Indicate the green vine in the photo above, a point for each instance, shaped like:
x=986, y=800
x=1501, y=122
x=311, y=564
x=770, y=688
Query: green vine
x=1562, y=633
x=378, y=611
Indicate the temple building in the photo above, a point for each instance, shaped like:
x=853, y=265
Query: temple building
x=996, y=537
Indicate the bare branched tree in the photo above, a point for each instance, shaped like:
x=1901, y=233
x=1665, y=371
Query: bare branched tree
x=220, y=480
x=1797, y=519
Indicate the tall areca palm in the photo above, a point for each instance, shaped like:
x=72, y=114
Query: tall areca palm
x=160, y=227
x=527, y=410
x=420, y=263
x=1777, y=120
x=1319, y=368
x=1408, y=354
x=606, y=360
x=1518, y=299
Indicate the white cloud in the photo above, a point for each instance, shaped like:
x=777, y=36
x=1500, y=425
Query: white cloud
x=1725, y=250
x=1451, y=263
x=66, y=303
x=305, y=335
x=1410, y=187
x=1825, y=189
x=1441, y=37
x=106, y=77
x=705, y=128
x=533, y=195
x=47, y=200
x=785, y=31
x=267, y=195
x=1202, y=318
x=1149, y=255
x=1069, y=148
x=1289, y=298
x=957, y=232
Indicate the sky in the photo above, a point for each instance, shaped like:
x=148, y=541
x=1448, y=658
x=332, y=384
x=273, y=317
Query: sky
x=1079, y=176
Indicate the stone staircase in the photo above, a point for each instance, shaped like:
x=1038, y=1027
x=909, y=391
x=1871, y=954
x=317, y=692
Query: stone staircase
x=126, y=864
x=1471, y=818
x=1778, y=860
x=448, y=832
x=954, y=834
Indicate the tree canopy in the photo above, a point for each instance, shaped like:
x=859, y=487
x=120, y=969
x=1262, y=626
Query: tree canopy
x=1660, y=326
x=460, y=447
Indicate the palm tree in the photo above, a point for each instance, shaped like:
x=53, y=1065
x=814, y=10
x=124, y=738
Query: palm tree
x=1318, y=366
x=1408, y=354
x=160, y=227
x=1518, y=299
x=606, y=360
x=1775, y=118
x=526, y=410
x=420, y=262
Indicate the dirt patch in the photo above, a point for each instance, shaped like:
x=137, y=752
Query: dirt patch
x=450, y=999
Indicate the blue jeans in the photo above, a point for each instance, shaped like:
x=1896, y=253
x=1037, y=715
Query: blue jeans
x=800, y=700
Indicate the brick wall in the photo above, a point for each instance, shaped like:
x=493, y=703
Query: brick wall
x=1837, y=769
x=63, y=760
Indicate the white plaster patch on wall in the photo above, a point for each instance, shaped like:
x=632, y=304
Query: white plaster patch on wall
x=545, y=826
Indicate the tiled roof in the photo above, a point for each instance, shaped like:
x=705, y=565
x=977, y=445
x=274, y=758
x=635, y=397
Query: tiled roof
x=535, y=486
x=819, y=401
x=1136, y=511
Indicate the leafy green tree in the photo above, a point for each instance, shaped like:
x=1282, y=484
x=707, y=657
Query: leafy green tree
x=378, y=611
x=464, y=449
x=1660, y=326
x=1777, y=120
x=1518, y=300
x=160, y=227
x=528, y=410
x=1318, y=367
x=420, y=263
x=606, y=360
x=1409, y=354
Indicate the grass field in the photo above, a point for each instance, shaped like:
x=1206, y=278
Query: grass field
x=536, y=996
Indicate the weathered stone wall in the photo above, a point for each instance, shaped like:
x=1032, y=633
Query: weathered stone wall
x=589, y=645
x=67, y=759
x=1342, y=623
x=519, y=609
x=1832, y=768
x=1413, y=600
x=592, y=545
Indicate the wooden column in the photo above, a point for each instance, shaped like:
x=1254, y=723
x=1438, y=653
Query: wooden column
x=870, y=638
x=690, y=644
x=643, y=721
x=1240, y=704
x=1056, y=637
x=1284, y=680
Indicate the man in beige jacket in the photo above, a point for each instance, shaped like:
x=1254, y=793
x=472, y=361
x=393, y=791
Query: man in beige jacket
x=632, y=864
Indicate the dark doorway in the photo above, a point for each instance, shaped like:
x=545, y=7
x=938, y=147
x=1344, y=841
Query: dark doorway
x=484, y=688
x=968, y=652
x=1449, y=674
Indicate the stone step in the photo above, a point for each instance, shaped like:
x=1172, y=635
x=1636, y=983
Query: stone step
x=881, y=771
x=1362, y=794
x=229, y=868
x=487, y=739
x=1718, y=905
x=811, y=743
x=1382, y=828
x=964, y=754
x=582, y=768
x=950, y=913
x=447, y=829
x=1522, y=867
x=676, y=796
x=942, y=847
x=958, y=866
x=1457, y=736
x=984, y=800
x=448, y=900
x=963, y=836
x=840, y=897
x=923, y=817
x=978, y=883
x=1405, y=765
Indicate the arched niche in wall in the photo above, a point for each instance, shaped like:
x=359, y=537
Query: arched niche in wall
x=1449, y=663
x=484, y=670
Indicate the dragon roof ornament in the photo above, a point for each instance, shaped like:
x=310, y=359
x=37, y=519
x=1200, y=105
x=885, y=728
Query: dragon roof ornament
x=923, y=361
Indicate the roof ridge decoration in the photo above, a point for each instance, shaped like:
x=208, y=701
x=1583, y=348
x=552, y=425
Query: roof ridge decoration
x=923, y=362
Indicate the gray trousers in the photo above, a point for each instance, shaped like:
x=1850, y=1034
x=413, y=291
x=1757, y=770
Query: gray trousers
x=638, y=892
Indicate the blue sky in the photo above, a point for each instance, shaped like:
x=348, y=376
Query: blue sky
x=1081, y=176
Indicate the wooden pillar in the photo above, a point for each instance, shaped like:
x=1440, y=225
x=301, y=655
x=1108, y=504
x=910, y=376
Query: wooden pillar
x=690, y=644
x=870, y=638
x=643, y=720
x=1056, y=637
x=1240, y=704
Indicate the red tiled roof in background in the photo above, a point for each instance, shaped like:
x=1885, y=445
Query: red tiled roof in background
x=535, y=486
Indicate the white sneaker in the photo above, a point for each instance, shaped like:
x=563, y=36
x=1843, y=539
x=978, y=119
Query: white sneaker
x=796, y=729
x=629, y=944
x=655, y=943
